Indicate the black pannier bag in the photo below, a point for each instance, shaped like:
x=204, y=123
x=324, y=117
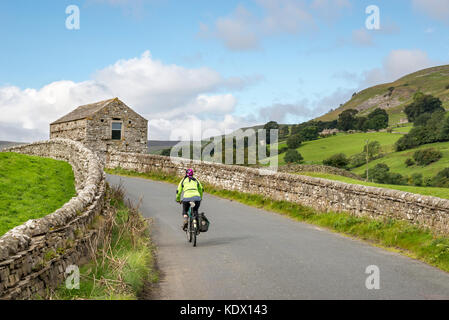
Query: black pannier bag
x=204, y=222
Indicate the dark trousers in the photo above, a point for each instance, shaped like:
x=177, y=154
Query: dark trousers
x=186, y=206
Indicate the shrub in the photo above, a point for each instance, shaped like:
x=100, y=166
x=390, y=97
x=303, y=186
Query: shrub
x=409, y=162
x=441, y=179
x=294, y=141
x=293, y=156
x=417, y=179
x=380, y=173
x=396, y=178
x=428, y=182
x=358, y=160
x=427, y=156
x=338, y=160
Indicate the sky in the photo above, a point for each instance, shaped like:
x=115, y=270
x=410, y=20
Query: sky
x=213, y=65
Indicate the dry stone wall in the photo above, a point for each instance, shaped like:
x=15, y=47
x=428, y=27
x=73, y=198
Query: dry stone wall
x=35, y=255
x=297, y=168
x=320, y=194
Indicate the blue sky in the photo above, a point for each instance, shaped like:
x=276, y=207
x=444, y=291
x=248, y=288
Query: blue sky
x=224, y=63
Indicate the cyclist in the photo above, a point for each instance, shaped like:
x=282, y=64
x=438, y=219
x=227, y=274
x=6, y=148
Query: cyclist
x=193, y=192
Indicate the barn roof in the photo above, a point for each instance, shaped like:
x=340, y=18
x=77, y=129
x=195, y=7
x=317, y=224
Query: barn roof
x=85, y=111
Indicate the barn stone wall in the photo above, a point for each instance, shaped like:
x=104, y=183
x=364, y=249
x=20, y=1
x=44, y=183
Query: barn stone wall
x=320, y=194
x=134, y=134
x=35, y=255
x=74, y=130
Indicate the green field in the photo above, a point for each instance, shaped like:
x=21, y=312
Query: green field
x=396, y=161
x=314, y=152
x=426, y=191
x=404, y=129
x=32, y=187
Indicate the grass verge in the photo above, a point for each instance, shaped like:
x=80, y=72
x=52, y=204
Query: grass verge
x=32, y=187
x=401, y=236
x=426, y=191
x=124, y=264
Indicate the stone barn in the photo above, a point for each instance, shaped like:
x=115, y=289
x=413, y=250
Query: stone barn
x=104, y=126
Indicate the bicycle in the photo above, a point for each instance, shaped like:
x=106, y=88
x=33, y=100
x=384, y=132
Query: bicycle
x=192, y=230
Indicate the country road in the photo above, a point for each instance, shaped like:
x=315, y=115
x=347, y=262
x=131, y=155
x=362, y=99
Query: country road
x=250, y=253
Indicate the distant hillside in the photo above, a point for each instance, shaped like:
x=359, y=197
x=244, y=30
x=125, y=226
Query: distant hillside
x=155, y=146
x=4, y=144
x=394, y=96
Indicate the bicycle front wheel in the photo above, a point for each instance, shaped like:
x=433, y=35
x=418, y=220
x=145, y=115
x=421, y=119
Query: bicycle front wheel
x=189, y=231
x=194, y=231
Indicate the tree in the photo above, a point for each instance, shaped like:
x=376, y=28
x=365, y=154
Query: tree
x=309, y=133
x=295, y=129
x=444, y=130
x=373, y=150
x=272, y=125
x=294, y=141
x=283, y=132
x=422, y=104
x=378, y=119
x=361, y=123
x=293, y=156
x=347, y=120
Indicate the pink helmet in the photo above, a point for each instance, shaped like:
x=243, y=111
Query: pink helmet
x=189, y=173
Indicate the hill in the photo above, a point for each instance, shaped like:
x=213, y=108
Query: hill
x=5, y=144
x=32, y=187
x=156, y=146
x=394, y=96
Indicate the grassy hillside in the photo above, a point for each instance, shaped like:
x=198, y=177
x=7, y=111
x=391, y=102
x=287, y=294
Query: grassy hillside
x=32, y=187
x=396, y=161
x=434, y=81
x=318, y=150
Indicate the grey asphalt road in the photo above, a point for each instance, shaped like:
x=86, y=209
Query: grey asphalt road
x=254, y=254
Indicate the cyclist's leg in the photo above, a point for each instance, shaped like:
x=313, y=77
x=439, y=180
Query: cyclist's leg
x=197, y=206
x=185, y=209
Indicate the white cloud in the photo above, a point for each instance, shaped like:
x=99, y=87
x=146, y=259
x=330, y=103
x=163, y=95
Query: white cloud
x=164, y=94
x=397, y=64
x=436, y=9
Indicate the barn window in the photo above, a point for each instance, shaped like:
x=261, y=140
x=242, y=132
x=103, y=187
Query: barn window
x=116, y=131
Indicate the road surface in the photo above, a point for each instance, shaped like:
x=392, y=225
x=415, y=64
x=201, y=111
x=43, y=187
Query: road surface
x=250, y=253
